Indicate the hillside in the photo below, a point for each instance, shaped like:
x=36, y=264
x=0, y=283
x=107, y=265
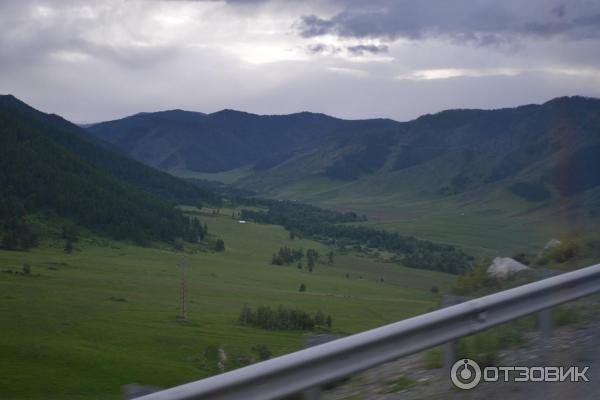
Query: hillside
x=528, y=145
x=524, y=173
x=488, y=181
x=49, y=170
x=104, y=156
x=223, y=140
x=455, y=151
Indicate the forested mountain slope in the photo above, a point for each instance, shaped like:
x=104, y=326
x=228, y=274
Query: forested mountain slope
x=102, y=155
x=44, y=171
x=223, y=140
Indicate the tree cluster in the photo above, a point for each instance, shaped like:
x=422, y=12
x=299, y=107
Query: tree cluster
x=286, y=256
x=283, y=318
x=219, y=245
x=330, y=226
x=312, y=256
x=16, y=233
x=288, y=213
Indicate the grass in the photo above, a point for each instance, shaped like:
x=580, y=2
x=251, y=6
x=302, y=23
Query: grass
x=482, y=228
x=486, y=223
x=228, y=177
x=433, y=358
x=400, y=384
x=82, y=325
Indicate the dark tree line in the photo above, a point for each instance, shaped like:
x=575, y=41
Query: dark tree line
x=16, y=233
x=330, y=226
x=284, y=212
x=283, y=318
x=287, y=255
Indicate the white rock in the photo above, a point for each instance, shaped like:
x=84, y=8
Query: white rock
x=503, y=267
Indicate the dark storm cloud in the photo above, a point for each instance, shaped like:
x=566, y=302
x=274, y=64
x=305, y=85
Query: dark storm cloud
x=361, y=49
x=91, y=61
x=319, y=48
x=354, y=50
x=478, y=22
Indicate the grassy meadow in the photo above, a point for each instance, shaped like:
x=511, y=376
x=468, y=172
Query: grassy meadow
x=485, y=224
x=228, y=177
x=82, y=325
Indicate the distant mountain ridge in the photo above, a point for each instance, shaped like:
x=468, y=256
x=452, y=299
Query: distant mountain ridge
x=219, y=141
x=533, y=150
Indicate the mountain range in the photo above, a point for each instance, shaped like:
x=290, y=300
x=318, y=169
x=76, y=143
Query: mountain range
x=223, y=140
x=535, y=151
x=534, y=164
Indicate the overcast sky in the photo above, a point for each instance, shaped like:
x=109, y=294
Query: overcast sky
x=98, y=60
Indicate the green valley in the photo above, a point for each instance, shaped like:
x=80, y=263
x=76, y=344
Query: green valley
x=86, y=323
x=192, y=192
x=97, y=247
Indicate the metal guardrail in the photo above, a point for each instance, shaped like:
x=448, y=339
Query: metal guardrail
x=292, y=373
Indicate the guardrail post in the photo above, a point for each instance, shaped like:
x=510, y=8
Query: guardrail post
x=545, y=316
x=313, y=393
x=450, y=354
x=450, y=348
x=545, y=325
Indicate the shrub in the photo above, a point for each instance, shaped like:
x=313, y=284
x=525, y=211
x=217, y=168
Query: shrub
x=178, y=244
x=564, y=252
x=565, y=316
x=263, y=352
x=482, y=347
x=433, y=358
x=522, y=258
x=282, y=318
x=476, y=281
x=219, y=245
x=68, y=247
x=26, y=269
